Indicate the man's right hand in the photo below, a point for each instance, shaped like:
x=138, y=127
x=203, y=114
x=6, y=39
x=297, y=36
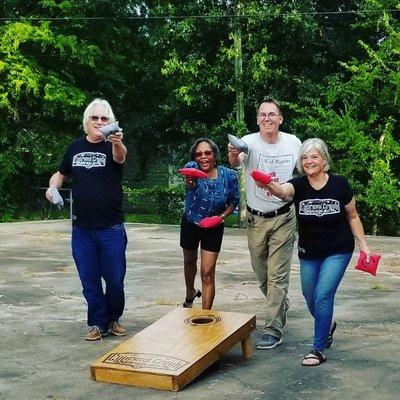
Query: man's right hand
x=56, y=181
x=233, y=155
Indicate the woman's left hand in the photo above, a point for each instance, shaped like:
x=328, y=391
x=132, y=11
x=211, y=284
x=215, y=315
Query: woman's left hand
x=364, y=247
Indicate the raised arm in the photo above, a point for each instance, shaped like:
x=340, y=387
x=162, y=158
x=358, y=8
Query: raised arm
x=236, y=157
x=119, y=150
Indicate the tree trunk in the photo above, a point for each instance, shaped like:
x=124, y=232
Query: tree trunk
x=239, y=110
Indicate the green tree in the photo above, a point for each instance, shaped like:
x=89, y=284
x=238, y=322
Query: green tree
x=37, y=99
x=170, y=76
x=359, y=118
x=53, y=60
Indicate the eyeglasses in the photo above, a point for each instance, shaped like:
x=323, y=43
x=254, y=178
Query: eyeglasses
x=95, y=118
x=207, y=153
x=270, y=115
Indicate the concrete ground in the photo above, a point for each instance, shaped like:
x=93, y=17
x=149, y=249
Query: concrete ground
x=43, y=322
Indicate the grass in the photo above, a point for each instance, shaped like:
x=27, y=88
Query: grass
x=35, y=216
x=378, y=286
x=230, y=222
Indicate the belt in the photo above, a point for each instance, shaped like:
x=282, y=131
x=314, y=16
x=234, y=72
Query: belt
x=283, y=210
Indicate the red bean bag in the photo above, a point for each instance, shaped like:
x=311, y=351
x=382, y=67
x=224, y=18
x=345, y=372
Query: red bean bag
x=261, y=177
x=211, y=222
x=192, y=173
x=370, y=266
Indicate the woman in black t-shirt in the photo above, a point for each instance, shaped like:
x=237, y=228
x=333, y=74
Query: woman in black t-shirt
x=328, y=222
x=94, y=162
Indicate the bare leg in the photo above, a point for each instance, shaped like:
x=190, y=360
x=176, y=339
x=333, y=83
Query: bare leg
x=190, y=270
x=208, y=262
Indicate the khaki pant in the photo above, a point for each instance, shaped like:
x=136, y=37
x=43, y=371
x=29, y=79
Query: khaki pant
x=270, y=243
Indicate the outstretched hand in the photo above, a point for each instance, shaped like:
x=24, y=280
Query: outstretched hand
x=192, y=173
x=115, y=138
x=261, y=177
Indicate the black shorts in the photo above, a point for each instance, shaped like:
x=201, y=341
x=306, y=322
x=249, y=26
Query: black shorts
x=210, y=239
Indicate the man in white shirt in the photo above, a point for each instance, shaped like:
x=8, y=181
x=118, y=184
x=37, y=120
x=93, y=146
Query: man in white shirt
x=270, y=221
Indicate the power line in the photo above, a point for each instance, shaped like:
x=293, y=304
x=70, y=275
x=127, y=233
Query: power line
x=227, y=16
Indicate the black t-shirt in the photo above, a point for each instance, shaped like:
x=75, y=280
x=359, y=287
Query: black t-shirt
x=96, y=186
x=322, y=221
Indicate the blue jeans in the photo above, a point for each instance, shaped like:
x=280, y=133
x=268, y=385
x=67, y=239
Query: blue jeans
x=320, y=279
x=100, y=254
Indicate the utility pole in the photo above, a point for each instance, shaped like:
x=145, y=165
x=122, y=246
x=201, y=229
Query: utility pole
x=239, y=105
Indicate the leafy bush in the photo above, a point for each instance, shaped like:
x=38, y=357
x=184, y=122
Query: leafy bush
x=166, y=201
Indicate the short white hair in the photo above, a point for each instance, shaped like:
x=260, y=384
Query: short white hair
x=89, y=109
x=320, y=146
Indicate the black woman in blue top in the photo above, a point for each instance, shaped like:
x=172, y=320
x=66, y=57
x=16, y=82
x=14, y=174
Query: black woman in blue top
x=218, y=194
x=98, y=233
x=328, y=223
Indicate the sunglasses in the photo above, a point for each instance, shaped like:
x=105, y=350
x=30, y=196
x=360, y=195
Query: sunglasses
x=206, y=153
x=95, y=118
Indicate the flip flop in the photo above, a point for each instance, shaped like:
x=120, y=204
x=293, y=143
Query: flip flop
x=314, y=355
x=188, y=303
x=330, y=336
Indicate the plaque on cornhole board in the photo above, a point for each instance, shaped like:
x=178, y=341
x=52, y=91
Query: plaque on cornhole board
x=175, y=349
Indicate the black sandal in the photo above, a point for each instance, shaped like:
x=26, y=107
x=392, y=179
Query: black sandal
x=314, y=355
x=188, y=303
x=330, y=336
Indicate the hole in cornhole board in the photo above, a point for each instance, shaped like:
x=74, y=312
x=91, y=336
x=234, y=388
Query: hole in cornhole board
x=203, y=320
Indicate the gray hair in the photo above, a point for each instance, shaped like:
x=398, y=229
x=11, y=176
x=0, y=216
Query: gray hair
x=320, y=146
x=89, y=109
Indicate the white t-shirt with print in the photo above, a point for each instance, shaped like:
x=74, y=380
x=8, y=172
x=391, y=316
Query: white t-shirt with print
x=278, y=159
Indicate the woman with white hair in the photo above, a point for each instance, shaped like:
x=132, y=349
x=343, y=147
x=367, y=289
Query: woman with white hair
x=98, y=233
x=328, y=222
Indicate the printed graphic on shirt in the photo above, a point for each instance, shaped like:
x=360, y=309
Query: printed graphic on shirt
x=280, y=167
x=319, y=207
x=89, y=160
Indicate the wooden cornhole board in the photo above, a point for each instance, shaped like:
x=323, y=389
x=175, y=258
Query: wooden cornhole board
x=175, y=349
